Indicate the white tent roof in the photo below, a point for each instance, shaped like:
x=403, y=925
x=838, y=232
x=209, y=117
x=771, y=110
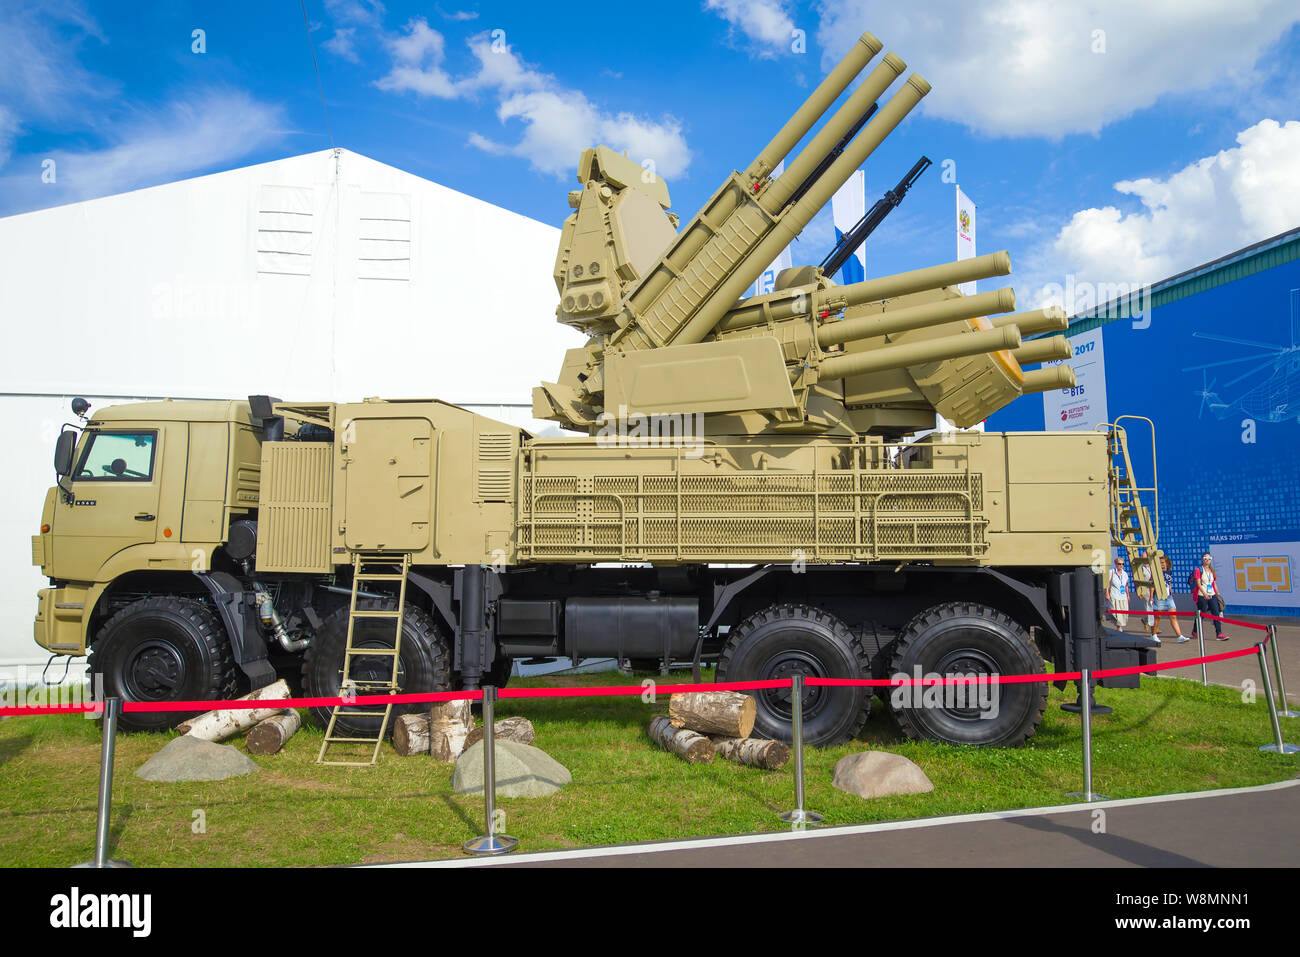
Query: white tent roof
x=327, y=275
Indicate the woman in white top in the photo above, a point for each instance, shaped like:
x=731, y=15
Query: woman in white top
x=1205, y=589
x=1117, y=582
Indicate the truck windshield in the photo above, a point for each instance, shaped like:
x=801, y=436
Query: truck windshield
x=117, y=457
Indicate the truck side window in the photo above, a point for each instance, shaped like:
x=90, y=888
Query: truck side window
x=117, y=457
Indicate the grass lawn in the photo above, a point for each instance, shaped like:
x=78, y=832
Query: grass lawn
x=1170, y=736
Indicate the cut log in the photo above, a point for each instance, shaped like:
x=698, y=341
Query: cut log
x=687, y=745
x=219, y=725
x=754, y=752
x=269, y=736
x=728, y=713
x=450, y=723
x=507, y=729
x=411, y=734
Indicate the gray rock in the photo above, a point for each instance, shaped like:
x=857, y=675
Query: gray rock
x=871, y=774
x=191, y=759
x=521, y=771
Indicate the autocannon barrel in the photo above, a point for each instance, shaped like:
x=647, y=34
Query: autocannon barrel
x=1045, y=380
x=915, y=353
x=1036, y=321
x=917, y=317
x=1043, y=350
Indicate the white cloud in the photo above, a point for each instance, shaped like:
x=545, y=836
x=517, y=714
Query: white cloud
x=1205, y=210
x=558, y=122
x=206, y=130
x=1028, y=67
x=343, y=44
x=8, y=133
x=764, y=22
x=418, y=56
x=42, y=80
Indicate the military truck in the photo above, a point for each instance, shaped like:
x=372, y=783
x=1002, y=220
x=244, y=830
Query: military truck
x=743, y=485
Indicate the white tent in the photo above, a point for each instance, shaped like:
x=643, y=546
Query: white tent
x=317, y=277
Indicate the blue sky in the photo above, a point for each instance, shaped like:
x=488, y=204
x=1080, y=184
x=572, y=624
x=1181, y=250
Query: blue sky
x=1106, y=141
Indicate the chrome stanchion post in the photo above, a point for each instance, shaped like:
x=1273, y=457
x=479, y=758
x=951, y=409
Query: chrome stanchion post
x=490, y=842
x=112, y=707
x=1200, y=638
x=1279, y=746
x=1285, y=707
x=798, y=816
x=1086, y=713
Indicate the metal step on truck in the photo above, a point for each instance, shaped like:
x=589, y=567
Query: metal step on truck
x=743, y=486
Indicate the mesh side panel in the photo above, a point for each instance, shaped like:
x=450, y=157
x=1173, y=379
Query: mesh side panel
x=844, y=515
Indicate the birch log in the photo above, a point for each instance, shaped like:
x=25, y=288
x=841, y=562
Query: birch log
x=727, y=713
x=687, y=745
x=450, y=722
x=507, y=729
x=411, y=734
x=269, y=736
x=754, y=752
x=219, y=725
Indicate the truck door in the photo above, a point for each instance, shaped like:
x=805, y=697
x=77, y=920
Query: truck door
x=115, y=495
x=387, y=464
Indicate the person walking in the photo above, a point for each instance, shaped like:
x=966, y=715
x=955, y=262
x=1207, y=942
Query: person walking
x=1205, y=589
x=1117, y=582
x=1163, y=604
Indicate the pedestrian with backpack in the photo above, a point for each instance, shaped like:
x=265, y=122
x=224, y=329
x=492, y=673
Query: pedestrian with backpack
x=1205, y=590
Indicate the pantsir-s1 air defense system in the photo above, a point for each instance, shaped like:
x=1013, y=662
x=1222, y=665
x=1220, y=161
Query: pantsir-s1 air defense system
x=743, y=487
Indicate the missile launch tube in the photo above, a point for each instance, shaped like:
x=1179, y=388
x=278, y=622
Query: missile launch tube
x=932, y=277
x=776, y=196
x=827, y=92
x=1051, y=319
x=917, y=317
x=915, y=353
x=1043, y=350
x=797, y=216
x=1045, y=380
x=750, y=313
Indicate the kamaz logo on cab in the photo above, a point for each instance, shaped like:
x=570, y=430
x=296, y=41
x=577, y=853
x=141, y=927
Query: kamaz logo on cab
x=76, y=910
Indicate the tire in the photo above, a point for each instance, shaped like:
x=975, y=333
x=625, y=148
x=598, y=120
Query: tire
x=424, y=663
x=163, y=649
x=964, y=638
x=783, y=640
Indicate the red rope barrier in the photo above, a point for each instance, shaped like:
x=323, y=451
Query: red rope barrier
x=613, y=690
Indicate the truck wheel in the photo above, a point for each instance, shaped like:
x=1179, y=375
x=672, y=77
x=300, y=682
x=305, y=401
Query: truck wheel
x=163, y=649
x=784, y=640
x=424, y=663
x=961, y=638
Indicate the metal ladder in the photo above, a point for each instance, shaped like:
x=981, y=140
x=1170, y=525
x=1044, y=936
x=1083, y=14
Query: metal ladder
x=363, y=570
x=1133, y=526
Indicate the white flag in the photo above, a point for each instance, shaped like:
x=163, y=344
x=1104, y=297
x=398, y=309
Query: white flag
x=965, y=236
x=848, y=206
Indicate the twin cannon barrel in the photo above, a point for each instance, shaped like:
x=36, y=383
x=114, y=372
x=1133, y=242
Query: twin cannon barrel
x=688, y=295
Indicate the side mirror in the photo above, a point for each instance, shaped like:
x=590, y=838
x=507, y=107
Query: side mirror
x=63, y=450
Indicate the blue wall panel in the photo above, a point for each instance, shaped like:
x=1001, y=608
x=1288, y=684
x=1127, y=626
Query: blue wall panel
x=1228, y=436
